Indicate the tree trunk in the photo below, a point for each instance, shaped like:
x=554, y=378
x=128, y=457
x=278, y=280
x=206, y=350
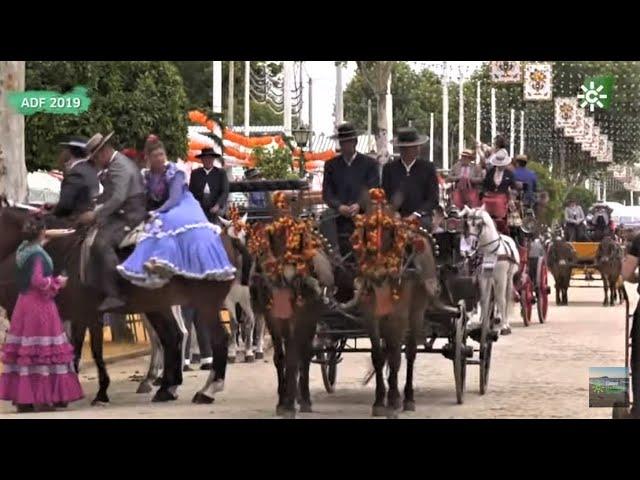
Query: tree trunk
x=382, y=138
x=13, y=170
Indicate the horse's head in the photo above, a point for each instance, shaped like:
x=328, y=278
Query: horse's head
x=608, y=250
x=12, y=220
x=477, y=223
x=236, y=226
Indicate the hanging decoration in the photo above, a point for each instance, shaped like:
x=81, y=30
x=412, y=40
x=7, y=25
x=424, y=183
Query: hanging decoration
x=577, y=129
x=538, y=81
x=565, y=112
x=506, y=72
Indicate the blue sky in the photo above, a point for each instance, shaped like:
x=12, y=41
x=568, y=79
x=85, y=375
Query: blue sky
x=612, y=372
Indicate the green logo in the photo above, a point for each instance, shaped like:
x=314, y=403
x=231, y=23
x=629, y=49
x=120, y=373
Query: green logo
x=41, y=101
x=596, y=92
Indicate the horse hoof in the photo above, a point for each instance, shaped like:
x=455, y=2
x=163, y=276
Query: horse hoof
x=99, y=403
x=379, y=411
x=409, y=406
x=157, y=382
x=231, y=359
x=249, y=358
x=144, y=387
x=163, y=396
x=288, y=413
x=305, y=408
x=202, y=399
x=392, y=413
x=279, y=410
x=186, y=368
x=259, y=355
x=505, y=331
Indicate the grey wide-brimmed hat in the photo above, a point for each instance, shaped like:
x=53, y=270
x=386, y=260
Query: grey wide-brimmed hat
x=73, y=141
x=96, y=142
x=346, y=131
x=409, y=137
x=500, y=159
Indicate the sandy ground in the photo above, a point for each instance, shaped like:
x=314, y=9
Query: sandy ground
x=537, y=372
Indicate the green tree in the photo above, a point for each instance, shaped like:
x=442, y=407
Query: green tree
x=133, y=99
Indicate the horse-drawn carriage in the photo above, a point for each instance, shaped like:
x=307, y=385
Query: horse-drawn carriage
x=531, y=285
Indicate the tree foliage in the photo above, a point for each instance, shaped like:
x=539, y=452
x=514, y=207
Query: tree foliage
x=133, y=99
x=274, y=163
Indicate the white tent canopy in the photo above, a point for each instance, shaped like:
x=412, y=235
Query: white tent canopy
x=43, y=187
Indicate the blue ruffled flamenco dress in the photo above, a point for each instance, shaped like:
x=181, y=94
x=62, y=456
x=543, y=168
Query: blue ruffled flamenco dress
x=178, y=239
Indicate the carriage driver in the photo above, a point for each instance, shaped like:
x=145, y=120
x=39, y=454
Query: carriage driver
x=347, y=179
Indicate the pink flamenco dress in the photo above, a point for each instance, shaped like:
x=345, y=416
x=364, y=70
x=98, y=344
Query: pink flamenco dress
x=37, y=358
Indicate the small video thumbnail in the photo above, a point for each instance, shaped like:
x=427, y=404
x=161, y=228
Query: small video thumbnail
x=608, y=387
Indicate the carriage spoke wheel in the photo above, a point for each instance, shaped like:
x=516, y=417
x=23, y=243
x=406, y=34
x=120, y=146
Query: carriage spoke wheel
x=542, y=292
x=486, y=344
x=526, y=304
x=460, y=359
x=329, y=367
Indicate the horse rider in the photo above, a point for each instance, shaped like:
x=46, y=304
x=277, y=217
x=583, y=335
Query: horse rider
x=573, y=220
x=527, y=179
x=411, y=183
x=467, y=177
x=80, y=185
x=347, y=179
x=210, y=184
x=123, y=209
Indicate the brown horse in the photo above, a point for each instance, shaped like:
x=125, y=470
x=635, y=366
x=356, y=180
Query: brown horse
x=561, y=258
x=294, y=308
x=392, y=322
x=609, y=261
x=79, y=304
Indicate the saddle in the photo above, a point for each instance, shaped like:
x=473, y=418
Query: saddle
x=130, y=240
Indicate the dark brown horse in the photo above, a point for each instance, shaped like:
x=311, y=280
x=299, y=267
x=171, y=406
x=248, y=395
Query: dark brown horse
x=392, y=322
x=609, y=261
x=78, y=303
x=561, y=258
x=294, y=308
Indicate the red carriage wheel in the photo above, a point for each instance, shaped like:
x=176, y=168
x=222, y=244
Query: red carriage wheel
x=542, y=291
x=526, y=301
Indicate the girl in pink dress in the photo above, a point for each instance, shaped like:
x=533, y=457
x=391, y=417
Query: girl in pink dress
x=37, y=359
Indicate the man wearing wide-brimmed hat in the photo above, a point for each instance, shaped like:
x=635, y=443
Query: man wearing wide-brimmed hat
x=347, y=179
x=411, y=183
x=80, y=185
x=466, y=177
x=210, y=185
x=123, y=208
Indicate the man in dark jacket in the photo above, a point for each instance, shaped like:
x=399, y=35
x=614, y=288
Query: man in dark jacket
x=347, y=179
x=210, y=185
x=80, y=186
x=411, y=183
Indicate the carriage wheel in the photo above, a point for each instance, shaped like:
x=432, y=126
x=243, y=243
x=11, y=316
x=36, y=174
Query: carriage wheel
x=542, y=292
x=329, y=367
x=526, y=304
x=486, y=344
x=460, y=359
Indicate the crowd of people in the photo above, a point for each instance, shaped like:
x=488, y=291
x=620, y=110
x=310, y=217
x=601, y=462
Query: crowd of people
x=105, y=190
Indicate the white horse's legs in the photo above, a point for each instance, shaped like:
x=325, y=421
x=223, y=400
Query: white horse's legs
x=155, y=362
x=259, y=328
x=249, y=323
x=501, y=281
x=230, y=306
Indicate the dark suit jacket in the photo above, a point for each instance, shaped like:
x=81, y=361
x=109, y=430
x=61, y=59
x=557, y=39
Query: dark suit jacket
x=79, y=188
x=507, y=182
x=218, y=188
x=419, y=191
x=344, y=185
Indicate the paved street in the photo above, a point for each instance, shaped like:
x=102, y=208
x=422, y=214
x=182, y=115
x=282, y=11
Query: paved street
x=537, y=372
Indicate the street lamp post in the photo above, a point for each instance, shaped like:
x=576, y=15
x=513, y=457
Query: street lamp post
x=301, y=136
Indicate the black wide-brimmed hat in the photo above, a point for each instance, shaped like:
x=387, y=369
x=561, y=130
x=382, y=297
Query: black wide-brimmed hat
x=72, y=141
x=208, y=152
x=409, y=137
x=346, y=131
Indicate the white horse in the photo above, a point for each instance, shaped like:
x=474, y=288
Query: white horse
x=501, y=261
x=241, y=295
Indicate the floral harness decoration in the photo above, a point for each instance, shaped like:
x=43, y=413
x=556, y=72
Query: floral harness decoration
x=302, y=243
x=374, y=264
